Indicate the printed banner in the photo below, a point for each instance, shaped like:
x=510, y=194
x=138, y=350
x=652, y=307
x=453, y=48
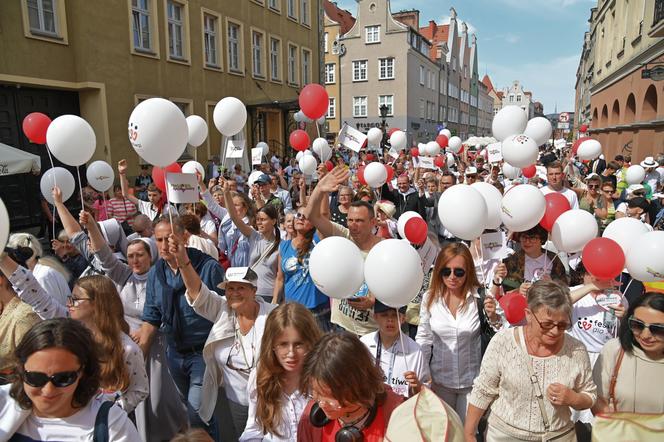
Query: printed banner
x=182, y=188
x=256, y=155
x=426, y=163
x=235, y=149
x=428, y=253
x=494, y=246
x=351, y=138
x=495, y=152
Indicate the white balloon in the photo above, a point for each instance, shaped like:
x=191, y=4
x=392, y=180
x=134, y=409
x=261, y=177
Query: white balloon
x=197, y=129
x=308, y=164
x=403, y=219
x=100, y=176
x=635, y=174
x=302, y=153
x=539, y=129
x=446, y=132
x=450, y=159
x=454, y=144
x=589, y=150
x=253, y=176
x=573, y=229
x=375, y=174
x=393, y=272
x=398, y=140
x=4, y=225
x=321, y=120
x=522, y=207
x=520, y=150
x=492, y=197
x=468, y=223
x=193, y=167
x=321, y=147
x=263, y=145
x=230, y=116
x=71, y=140
x=298, y=117
x=336, y=267
x=645, y=259
x=432, y=148
x=510, y=120
x=422, y=149
x=510, y=172
x=625, y=232
x=158, y=131
x=57, y=176
x=374, y=136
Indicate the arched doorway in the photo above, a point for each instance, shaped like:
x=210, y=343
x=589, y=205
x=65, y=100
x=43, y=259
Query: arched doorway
x=630, y=109
x=649, y=108
x=615, y=114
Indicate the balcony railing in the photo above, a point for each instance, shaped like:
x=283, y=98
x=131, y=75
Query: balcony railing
x=659, y=12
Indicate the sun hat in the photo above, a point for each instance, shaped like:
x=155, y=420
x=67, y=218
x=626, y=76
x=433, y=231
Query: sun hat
x=649, y=162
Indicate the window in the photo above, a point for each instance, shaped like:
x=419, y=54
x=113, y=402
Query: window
x=422, y=109
x=292, y=64
x=140, y=12
x=360, y=70
x=387, y=100
x=275, y=5
x=360, y=106
x=275, y=59
x=304, y=12
x=306, y=66
x=210, y=40
x=42, y=17
x=292, y=9
x=176, y=16
x=518, y=98
x=385, y=68
x=234, y=37
x=372, y=34
x=257, y=53
x=422, y=74
x=331, y=108
x=330, y=73
x=325, y=40
x=441, y=113
x=511, y=98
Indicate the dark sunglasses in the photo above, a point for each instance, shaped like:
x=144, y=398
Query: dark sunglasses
x=447, y=271
x=637, y=326
x=59, y=380
x=301, y=216
x=593, y=186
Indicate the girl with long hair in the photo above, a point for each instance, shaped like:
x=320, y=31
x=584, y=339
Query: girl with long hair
x=275, y=401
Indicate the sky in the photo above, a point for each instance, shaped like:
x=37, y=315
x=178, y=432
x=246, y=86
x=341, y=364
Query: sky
x=537, y=42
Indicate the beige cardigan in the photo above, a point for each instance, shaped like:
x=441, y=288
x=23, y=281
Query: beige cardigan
x=639, y=386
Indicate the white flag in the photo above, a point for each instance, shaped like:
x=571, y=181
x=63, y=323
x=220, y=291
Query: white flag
x=351, y=138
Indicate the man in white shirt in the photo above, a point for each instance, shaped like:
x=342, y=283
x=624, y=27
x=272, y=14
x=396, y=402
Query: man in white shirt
x=555, y=178
x=652, y=177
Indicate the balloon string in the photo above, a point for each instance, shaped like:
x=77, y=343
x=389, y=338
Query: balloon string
x=55, y=183
x=80, y=186
x=479, y=255
x=103, y=201
x=403, y=349
x=168, y=203
x=318, y=129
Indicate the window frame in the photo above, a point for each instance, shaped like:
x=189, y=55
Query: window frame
x=366, y=106
x=366, y=34
x=422, y=75
x=218, y=37
x=186, y=39
x=306, y=69
x=277, y=9
x=296, y=64
x=240, y=70
x=366, y=70
x=263, y=59
x=331, y=104
x=380, y=60
x=60, y=36
x=280, y=57
x=334, y=73
x=305, y=10
x=295, y=16
x=390, y=112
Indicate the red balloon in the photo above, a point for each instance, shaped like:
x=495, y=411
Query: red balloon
x=529, y=171
x=391, y=131
x=35, y=126
x=329, y=165
x=159, y=175
x=314, y=101
x=514, y=305
x=390, y=173
x=603, y=258
x=414, y=152
x=371, y=157
x=439, y=161
x=299, y=139
x=416, y=230
x=360, y=175
x=442, y=141
x=578, y=142
x=556, y=205
x=583, y=128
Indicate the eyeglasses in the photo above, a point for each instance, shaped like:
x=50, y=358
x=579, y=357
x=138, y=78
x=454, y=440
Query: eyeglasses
x=332, y=403
x=609, y=191
x=300, y=216
x=637, y=326
x=74, y=301
x=238, y=348
x=60, y=380
x=593, y=186
x=284, y=348
x=550, y=325
x=445, y=272
x=529, y=237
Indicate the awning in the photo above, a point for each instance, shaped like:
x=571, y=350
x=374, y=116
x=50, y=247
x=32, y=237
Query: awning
x=14, y=161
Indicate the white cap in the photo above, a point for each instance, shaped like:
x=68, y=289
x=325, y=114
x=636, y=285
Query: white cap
x=240, y=274
x=471, y=170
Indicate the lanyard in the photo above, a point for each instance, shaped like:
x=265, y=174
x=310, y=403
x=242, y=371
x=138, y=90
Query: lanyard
x=379, y=353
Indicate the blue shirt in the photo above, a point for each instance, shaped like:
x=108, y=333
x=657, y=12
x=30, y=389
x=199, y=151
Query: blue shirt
x=298, y=285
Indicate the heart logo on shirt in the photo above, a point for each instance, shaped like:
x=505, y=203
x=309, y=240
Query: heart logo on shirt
x=586, y=325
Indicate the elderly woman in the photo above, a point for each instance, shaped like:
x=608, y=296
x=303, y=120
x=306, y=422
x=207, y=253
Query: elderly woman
x=339, y=212
x=556, y=363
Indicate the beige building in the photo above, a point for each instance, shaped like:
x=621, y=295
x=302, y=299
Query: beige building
x=99, y=59
x=624, y=107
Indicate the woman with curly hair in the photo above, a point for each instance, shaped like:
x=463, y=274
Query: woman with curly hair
x=275, y=401
x=53, y=396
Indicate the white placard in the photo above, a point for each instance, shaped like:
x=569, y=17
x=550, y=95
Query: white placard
x=235, y=149
x=494, y=246
x=428, y=253
x=256, y=156
x=560, y=143
x=426, y=163
x=182, y=188
x=608, y=298
x=351, y=138
x=393, y=153
x=494, y=152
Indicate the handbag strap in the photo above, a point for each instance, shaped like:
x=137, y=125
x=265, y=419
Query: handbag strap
x=101, y=422
x=533, y=378
x=264, y=255
x=614, y=379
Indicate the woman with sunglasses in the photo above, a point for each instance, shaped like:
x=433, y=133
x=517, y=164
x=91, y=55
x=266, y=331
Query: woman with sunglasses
x=531, y=375
x=234, y=343
x=605, y=212
x=53, y=396
x=636, y=358
x=275, y=401
x=449, y=329
x=589, y=193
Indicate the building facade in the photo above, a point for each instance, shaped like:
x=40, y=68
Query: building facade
x=615, y=90
x=515, y=95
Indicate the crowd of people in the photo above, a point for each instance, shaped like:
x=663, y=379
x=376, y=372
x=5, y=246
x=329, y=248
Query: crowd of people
x=194, y=322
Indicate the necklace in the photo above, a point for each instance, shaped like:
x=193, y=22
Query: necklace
x=356, y=421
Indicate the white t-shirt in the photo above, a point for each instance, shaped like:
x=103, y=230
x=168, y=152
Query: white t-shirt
x=147, y=209
x=394, y=363
x=593, y=325
x=52, y=282
x=207, y=225
x=243, y=351
x=536, y=267
x=567, y=193
x=652, y=179
x=78, y=427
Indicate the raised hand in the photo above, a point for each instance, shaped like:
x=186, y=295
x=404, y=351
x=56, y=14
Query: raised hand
x=122, y=167
x=332, y=181
x=57, y=195
x=84, y=218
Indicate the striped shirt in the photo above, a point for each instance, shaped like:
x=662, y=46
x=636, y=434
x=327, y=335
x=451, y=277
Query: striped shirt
x=121, y=209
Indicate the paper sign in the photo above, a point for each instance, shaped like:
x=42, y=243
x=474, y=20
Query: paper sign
x=559, y=143
x=256, y=155
x=426, y=163
x=235, y=149
x=182, y=188
x=607, y=299
x=428, y=253
x=393, y=153
x=351, y=138
x=495, y=152
x=494, y=246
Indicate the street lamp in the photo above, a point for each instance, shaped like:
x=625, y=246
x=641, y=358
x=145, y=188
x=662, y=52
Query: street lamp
x=383, y=109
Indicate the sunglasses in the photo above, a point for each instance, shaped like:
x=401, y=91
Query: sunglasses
x=300, y=216
x=593, y=186
x=447, y=271
x=60, y=380
x=637, y=326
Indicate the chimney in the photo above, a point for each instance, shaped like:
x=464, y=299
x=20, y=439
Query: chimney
x=408, y=18
x=432, y=27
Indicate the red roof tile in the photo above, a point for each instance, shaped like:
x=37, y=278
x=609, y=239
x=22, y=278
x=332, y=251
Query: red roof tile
x=341, y=16
x=487, y=82
x=500, y=94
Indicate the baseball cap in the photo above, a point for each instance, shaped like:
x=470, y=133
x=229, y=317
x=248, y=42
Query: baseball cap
x=379, y=307
x=471, y=170
x=592, y=175
x=263, y=179
x=635, y=188
x=239, y=274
